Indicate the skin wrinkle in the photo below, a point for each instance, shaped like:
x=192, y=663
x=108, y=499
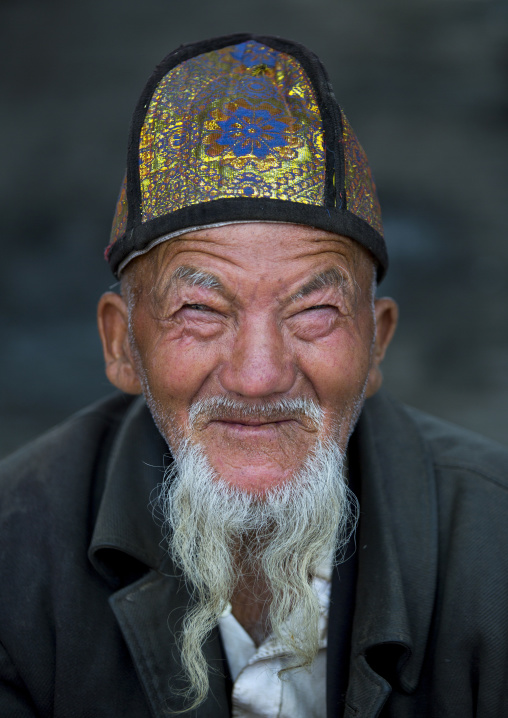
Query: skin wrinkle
x=337, y=278
x=158, y=266
x=192, y=277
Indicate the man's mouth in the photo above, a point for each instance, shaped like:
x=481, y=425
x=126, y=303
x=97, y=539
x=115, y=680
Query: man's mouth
x=253, y=423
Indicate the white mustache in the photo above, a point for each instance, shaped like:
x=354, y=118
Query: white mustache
x=224, y=408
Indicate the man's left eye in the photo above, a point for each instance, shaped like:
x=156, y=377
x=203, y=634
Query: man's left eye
x=319, y=306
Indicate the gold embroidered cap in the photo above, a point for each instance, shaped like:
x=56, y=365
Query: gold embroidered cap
x=236, y=129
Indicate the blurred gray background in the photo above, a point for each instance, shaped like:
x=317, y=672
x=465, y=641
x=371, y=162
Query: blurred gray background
x=423, y=82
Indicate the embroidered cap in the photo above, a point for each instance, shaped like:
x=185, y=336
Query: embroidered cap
x=242, y=128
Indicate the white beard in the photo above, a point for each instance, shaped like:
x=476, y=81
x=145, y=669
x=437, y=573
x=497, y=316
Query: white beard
x=285, y=534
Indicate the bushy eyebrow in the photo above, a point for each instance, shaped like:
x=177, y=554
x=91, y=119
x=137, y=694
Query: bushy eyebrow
x=333, y=277
x=193, y=277
x=189, y=276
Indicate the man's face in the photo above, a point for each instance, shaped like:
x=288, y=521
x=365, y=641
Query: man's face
x=254, y=313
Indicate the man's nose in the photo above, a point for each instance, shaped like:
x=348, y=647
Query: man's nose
x=260, y=363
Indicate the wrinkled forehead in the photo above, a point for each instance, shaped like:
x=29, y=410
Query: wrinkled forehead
x=276, y=252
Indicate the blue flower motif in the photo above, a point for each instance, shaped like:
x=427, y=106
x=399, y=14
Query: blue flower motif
x=252, y=132
x=252, y=53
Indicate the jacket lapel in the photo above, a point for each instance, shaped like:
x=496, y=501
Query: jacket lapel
x=127, y=548
x=367, y=692
x=397, y=554
x=149, y=613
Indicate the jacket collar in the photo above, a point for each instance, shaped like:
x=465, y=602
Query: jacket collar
x=397, y=546
x=126, y=540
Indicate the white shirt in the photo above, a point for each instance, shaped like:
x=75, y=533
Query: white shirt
x=257, y=690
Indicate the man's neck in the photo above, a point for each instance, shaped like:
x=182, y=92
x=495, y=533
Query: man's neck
x=251, y=605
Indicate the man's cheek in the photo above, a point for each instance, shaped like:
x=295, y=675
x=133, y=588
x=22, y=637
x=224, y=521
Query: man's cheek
x=337, y=374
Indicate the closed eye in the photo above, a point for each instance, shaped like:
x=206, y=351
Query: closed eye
x=316, y=321
x=198, y=307
x=319, y=306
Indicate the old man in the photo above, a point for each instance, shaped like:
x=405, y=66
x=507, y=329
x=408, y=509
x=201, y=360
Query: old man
x=249, y=528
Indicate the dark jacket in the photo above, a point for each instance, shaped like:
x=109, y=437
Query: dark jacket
x=90, y=603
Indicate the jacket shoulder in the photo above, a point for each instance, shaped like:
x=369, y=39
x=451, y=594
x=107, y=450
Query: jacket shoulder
x=62, y=462
x=55, y=610
x=455, y=448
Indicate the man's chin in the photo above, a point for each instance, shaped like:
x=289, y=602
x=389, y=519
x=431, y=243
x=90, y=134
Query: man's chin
x=255, y=467
x=256, y=475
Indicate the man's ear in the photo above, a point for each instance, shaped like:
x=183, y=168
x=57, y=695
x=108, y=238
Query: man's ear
x=113, y=321
x=387, y=314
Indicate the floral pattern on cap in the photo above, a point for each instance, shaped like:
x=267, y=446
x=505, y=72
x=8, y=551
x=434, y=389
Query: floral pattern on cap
x=241, y=121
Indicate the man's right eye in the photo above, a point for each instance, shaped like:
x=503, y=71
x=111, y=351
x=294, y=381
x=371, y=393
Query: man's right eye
x=197, y=307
